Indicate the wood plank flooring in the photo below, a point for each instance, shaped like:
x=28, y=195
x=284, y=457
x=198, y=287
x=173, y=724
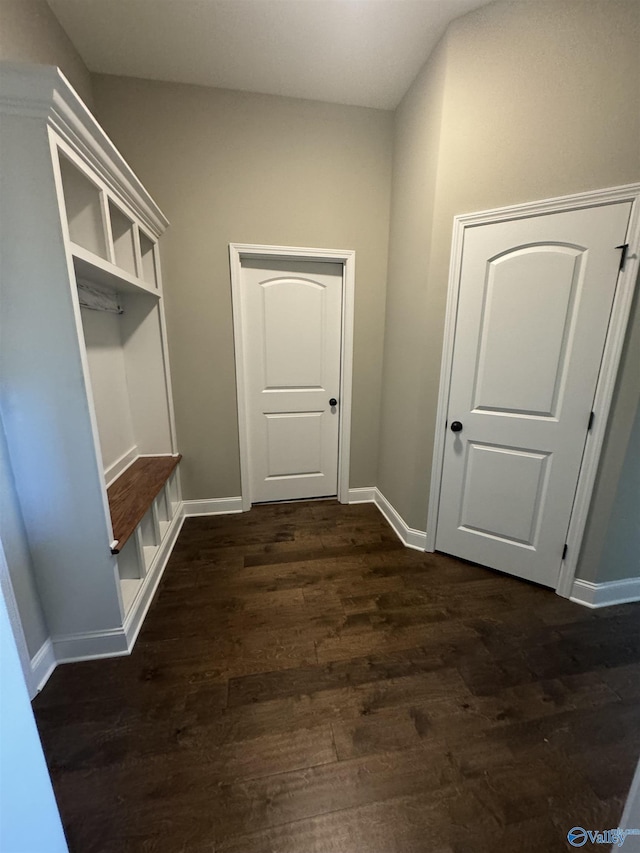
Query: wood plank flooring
x=304, y=684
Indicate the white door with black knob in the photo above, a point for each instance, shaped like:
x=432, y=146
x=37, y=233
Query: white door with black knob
x=534, y=304
x=292, y=344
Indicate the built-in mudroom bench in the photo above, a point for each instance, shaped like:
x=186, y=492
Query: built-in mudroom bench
x=143, y=501
x=86, y=395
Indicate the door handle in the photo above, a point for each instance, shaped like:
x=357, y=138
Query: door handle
x=333, y=402
x=456, y=426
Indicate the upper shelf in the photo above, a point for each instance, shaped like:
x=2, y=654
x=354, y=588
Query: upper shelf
x=83, y=205
x=108, y=245
x=94, y=269
x=43, y=93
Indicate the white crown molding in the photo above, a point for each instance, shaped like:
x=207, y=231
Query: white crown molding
x=43, y=92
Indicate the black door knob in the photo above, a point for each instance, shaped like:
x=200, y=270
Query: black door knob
x=456, y=426
x=333, y=402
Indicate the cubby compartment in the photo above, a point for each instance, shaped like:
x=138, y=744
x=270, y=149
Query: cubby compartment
x=131, y=573
x=149, y=537
x=163, y=512
x=173, y=493
x=83, y=204
x=122, y=232
x=148, y=257
x=107, y=366
x=128, y=384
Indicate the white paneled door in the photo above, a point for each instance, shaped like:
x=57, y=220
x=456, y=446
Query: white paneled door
x=535, y=299
x=292, y=331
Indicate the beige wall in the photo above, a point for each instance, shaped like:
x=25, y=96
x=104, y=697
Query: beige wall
x=611, y=545
x=540, y=99
x=621, y=552
x=29, y=32
x=410, y=381
x=233, y=167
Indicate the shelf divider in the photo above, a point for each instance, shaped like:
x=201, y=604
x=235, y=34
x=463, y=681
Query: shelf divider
x=93, y=268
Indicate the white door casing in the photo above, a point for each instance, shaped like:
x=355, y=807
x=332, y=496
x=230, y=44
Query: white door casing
x=293, y=443
x=534, y=302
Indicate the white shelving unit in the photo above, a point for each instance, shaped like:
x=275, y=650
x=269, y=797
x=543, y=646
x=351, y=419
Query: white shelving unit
x=86, y=394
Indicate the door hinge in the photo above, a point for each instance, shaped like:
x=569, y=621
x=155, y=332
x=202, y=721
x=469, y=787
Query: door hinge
x=591, y=419
x=564, y=551
x=623, y=255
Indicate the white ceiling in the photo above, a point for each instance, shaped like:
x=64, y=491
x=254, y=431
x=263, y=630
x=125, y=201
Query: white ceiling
x=363, y=52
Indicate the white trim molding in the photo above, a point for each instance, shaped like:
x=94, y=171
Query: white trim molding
x=120, y=465
x=409, y=536
x=363, y=495
x=42, y=665
x=346, y=257
x=37, y=669
x=212, y=506
x=90, y=645
x=609, y=366
x=605, y=594
x=44, y=92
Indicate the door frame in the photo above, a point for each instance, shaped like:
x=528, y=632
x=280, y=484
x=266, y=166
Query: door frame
x=345, y=257
x=608, y=368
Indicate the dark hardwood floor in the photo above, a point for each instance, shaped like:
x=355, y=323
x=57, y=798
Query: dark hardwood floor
x=304, y=684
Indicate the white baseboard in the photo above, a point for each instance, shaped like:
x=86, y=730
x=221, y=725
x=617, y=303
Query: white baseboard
x=212, y=506
x=363, y=496
x=42, y=665
x=90, y=645
x=605, y=594
x=411, y=538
